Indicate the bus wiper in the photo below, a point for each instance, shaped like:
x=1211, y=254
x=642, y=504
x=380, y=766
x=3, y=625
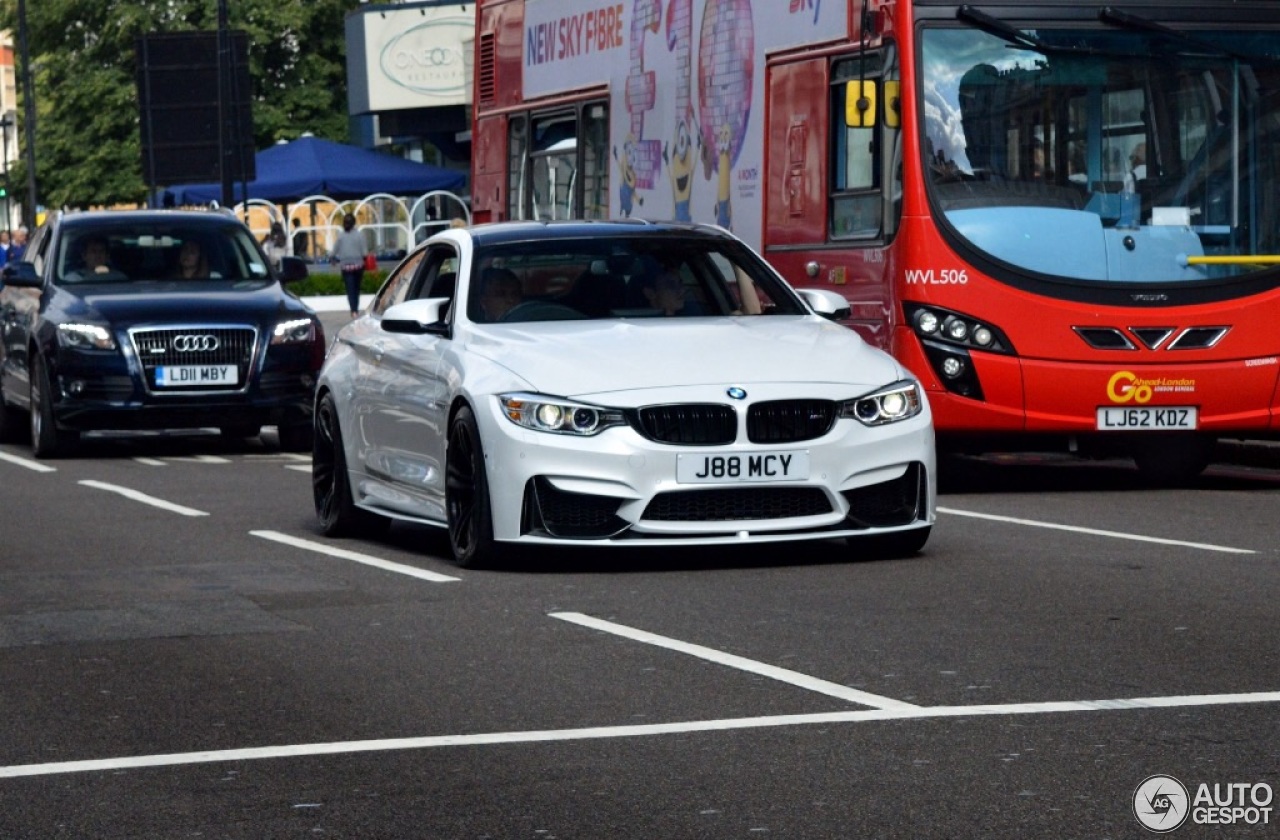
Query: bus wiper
x=1127, y=20
x=1022, y=40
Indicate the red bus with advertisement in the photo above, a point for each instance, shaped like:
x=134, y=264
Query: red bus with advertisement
x=1063, y=217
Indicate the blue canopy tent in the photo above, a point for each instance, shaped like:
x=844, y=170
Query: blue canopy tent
x=288, y=172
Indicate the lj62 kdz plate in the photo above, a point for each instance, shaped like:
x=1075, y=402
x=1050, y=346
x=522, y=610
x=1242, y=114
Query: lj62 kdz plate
x=1116, y=419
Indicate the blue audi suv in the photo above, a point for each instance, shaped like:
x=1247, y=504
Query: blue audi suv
x=155, y=319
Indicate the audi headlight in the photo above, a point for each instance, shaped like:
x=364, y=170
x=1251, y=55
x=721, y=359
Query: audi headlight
x=563, y=417
x=888, y=405
x=298, y=331
x=85, y=337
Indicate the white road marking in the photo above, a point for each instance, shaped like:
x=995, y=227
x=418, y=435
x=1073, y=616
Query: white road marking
x=144, y=498
x=189, y=459
x=368, y=560
x=1119, y=535
x=150, y=462
x=629, y=731
x=306, y=468
x=795, y=678
x=34, y=466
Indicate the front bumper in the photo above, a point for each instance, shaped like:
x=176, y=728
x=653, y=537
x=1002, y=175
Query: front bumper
x=619, y=487
x=106, y=391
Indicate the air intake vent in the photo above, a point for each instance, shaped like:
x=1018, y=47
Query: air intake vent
x=486, y=73
x=1104, y=338
x=1198, y=338
x=1152, y=337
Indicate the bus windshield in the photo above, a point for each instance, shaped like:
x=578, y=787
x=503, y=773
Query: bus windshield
x=1108, y=154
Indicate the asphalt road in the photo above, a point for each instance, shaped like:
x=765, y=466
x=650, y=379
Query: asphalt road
x=183, y=655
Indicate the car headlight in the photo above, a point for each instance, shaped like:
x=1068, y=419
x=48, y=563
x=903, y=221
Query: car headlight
x=298, y=331
x=895, y=402
x=86, y=337
x=563, y=417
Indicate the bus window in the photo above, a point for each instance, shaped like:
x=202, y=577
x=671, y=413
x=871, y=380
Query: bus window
x=559, y=164
x=864, y=115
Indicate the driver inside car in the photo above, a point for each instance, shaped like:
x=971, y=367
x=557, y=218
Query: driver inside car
x=94, y=259
x=500, y=291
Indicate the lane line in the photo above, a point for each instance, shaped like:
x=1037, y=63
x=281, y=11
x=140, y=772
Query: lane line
x=368, y=560
x=306, y=468
x=628, y=731
x=795, y=678
x=144, y=498
x=34, y=466
x=1119, y=535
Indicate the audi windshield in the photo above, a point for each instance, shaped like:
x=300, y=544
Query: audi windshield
x=148, y=253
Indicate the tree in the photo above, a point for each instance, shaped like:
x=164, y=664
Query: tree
x=88, y=149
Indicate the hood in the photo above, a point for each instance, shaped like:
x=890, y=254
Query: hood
x=210, y=301
x=582, y=358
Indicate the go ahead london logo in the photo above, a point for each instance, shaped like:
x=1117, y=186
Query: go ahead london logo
x=1162, y=804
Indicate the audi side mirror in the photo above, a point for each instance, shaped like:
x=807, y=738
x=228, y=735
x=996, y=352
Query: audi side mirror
x=292, y=269
x=21, y=275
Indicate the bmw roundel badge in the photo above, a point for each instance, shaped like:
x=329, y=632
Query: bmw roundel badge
x=736, y=393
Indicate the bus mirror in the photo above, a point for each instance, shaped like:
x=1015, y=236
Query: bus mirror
x=860, y=104
x=892, y=103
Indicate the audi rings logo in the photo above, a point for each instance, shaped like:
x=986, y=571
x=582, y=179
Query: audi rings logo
x=195, y=343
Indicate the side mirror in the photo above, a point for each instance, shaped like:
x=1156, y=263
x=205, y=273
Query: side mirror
x=417, y=317
x=20, y=275
x=292, y=269
x=860, y=103
x=826, y=303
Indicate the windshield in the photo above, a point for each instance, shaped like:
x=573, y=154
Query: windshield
x=1107, y=154
x=619, y=278
x=147, y=252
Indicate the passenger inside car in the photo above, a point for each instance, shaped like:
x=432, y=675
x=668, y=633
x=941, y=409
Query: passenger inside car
x=193, y=263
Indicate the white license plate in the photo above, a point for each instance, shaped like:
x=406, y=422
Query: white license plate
x=176, y=376
x=742, y=466
x=1148, y=418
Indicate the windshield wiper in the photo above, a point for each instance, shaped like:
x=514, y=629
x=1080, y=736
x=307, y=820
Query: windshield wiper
x=1127, y=20
x=1022, y=40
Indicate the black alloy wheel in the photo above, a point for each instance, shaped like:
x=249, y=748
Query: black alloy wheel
x=47, y=440
x=330, y=484
x=467, y=495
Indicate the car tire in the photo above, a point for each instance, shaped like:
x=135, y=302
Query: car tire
x=13, y=423
x=47, y=440
x=891, y=546
x=467, y=505
x=237, y=431
x=295, y=437
x=331, y=485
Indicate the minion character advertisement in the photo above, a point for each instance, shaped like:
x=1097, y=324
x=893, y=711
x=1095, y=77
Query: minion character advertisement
x=685, y=81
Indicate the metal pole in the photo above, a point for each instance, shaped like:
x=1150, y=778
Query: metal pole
x=29, y=121
x=7, y=122
x=224, y=108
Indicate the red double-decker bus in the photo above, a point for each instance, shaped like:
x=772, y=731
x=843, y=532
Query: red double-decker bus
x=1063, y=217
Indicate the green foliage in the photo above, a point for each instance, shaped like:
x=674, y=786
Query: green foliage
x=88, y=148
x=331, y=284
